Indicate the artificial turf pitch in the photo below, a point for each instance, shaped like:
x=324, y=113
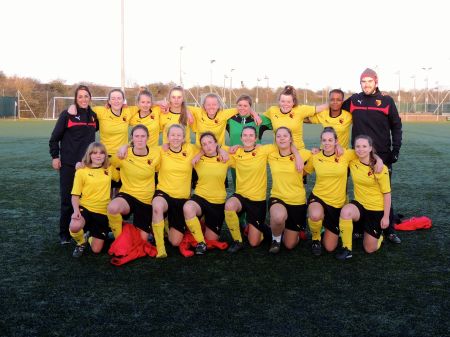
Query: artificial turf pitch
x=402, y=290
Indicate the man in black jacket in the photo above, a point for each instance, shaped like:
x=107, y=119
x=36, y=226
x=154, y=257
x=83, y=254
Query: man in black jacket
x=375, y=115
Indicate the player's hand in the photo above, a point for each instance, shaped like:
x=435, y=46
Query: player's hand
x=384, y=223
x=79, y=165
x=233, y=149
x=122, y=152
x=72, y=110
x=56, y=163
x=223, y=155
x=315, y=150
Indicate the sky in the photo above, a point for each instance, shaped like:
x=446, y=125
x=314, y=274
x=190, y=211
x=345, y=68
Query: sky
x=313, y=44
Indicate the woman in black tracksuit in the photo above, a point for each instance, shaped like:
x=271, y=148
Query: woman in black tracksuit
x=68, y=143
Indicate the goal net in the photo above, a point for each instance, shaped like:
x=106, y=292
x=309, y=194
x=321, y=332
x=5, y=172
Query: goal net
x=58, y=104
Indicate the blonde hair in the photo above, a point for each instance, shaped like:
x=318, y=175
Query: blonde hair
x=87, y=161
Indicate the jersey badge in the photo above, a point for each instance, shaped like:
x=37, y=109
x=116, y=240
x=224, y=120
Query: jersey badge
x=378, y=102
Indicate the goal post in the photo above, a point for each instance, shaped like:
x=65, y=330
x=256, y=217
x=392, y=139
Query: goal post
x=60, y=103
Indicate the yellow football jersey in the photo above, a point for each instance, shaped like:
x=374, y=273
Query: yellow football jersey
x=293, y=120
x=151, y=122
x=287, y=182
x=369, y=187
x=341, y=124
x=211, y=179
x=331, y=176
x=166, y=120
x=217, y=125
x=137, y=173
x=113, y=129
x=251, y=171
x=93, y=185
x=175, y=171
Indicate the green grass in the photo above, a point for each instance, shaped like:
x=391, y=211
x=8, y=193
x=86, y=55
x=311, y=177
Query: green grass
x=399, y=291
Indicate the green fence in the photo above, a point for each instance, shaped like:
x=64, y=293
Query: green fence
x=8, y=106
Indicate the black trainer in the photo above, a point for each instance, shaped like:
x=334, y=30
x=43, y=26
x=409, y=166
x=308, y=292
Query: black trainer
x=200, y=249
x=343, y=254
x=316, y=248
x=394, y=238
x=79, y=250
x=274, y=247
x=235, y=247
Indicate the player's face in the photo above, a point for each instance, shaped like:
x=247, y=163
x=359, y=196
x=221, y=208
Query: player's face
x=145, y=103
x=211, y=106
x=139, y=138
x=83, y=99
x=116, y=100
x=243, y=107
x=248, y=137
x=362, y=148
x=175, y=138
x=368, y=85
x=97, y=158
x=283, y=139
x=209, y=146
x=336, y=101
x=328, y=142
x=176, y=98
x=286, y=103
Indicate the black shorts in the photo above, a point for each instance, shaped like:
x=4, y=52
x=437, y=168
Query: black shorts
x=370, y=221
x=296, y=219
x=255, y=210
x=142, y=213
x=214, y=213
x=175, y=211
x=97, y=224
x=331, y=214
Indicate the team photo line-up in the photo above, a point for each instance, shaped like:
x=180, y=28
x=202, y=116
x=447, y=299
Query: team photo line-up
x=102, y=183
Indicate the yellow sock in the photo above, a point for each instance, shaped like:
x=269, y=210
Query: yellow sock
x=315, y=227
x=346, y=229
x=90, y=240
x=195, y=228
x=232, y=222
x=166, y=226
x=115, y=223
x=78, y=237
x=380, y=241
x=158, y=233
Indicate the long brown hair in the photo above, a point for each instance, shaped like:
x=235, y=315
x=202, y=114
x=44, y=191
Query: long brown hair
x=372, y=160
x=81, y=87
x=183, y=115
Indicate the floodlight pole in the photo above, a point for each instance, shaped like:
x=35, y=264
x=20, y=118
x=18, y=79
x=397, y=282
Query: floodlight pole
x=257, y=96
x=414, y=92
x=181, y=71
x=427, y=69
x=231, y=83
x=211, y=75
x=399, y=97
x=267, y=91
x=122, y=52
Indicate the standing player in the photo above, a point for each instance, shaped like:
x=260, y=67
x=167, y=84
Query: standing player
x=340, y=120
x=291, y=115
x=147, y=115
x=375, y=115
x=68, y=143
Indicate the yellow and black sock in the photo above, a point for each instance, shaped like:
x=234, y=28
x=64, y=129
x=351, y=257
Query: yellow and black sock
x=195, y=228
x=115, y=223
x=158, y=233
x=315, y=227
x=78, y=237
x=232, y=222
x=346, y=229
